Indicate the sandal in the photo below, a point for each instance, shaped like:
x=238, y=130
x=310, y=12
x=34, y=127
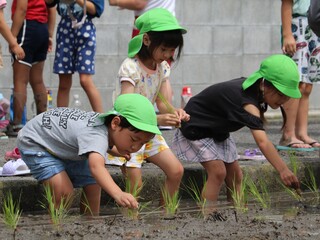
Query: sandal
x=14, y=129
x=3, y=125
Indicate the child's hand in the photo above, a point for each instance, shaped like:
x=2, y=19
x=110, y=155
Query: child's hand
x=168, y=119
x=289, y=179
x=289, y=45
x=18, y=51
x=126, y=200
x=182, y=115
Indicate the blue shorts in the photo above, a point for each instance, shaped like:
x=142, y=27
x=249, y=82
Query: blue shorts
x=34, y=39
x=75, y=48
x=43, y=166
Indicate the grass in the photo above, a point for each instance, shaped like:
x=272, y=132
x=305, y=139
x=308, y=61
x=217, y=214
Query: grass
x=195, y=192
x=261, y=194
x=311, y=183
x=171, y=203
x=240, y=198
x=57, y=214
x=11, y=212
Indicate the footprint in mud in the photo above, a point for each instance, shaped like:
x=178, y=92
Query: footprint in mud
x=216, y=216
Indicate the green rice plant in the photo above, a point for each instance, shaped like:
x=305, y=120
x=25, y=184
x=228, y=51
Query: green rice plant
x=195, y=192
x=240, y=198
x=11, y=212
x=171, y=203
x=85, y=203
x=135, y=191
x=261, y=194
x=311, y=183
x=57, y=214
x=294, y=164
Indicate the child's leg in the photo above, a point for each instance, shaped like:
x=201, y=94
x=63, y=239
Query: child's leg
x=61, y=186
x=233, y=178
x=90, y=198
x=216, y=175
x=171, y=166
x=92, y=92
x=65, y=83
x=20, y=82
x=38, y=87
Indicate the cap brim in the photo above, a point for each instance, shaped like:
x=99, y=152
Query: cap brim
x=141, y=126
x=292, y=93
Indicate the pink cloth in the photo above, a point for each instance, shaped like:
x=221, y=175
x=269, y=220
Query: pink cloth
x=3, y=3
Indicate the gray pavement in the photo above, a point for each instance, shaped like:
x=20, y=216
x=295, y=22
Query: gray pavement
x=31, y=191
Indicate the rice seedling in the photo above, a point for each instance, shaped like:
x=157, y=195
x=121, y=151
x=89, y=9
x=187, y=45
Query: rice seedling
x=195, y=192
x=240, y=198
x=168, y=105
x=311, y=183
x=85, y=203
x=57, y=214
x=135, y=191
x=11, y=212
x=261, y=194
x=171, y=203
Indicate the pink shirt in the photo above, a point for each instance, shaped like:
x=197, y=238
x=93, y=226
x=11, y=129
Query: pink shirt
x=3, y=3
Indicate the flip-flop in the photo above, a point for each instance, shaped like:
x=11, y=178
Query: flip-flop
x=312, y=143
x=289, y=148
x=14, y=168
x=13, y=154
x=253, y=154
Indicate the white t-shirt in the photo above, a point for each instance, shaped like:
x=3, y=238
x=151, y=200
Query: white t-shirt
x=170, y=5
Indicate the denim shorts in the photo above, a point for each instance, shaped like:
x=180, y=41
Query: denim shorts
x=43, y=166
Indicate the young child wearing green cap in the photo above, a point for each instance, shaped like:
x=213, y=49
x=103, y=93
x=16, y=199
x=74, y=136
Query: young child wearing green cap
x=227, y=107
x=146, y=72
x=65, y=148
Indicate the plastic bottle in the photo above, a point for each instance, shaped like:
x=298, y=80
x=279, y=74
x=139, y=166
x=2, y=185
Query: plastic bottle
x=24, y=113
x=185, y=95
x=76, y=101
x=49, y=100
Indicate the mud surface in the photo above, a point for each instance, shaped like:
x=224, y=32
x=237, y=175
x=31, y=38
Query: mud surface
x=257, y=223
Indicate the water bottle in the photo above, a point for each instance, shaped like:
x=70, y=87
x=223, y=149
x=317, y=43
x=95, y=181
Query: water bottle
x=76, y=101
x=49, y=100
x=185, y=96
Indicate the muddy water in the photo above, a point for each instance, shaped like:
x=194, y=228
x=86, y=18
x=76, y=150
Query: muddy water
x=287, y=218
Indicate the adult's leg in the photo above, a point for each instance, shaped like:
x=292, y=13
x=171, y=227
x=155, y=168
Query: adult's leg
x=233, y=179
x=289, y=132
x=20, y=82
x=61, y=186
x=171, y=166
x=90, y=197
x=38, y=87
x=92, y=92
x=65, y=83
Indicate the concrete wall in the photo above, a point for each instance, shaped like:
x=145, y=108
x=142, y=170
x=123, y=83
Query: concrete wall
x=226, y=39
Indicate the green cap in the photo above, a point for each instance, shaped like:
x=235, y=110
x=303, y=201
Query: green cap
x=138, y=110
x=281, y=71
x=157, y=20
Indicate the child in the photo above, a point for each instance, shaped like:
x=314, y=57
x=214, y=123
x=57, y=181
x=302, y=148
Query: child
x=300, y=43
x=146, y=72
x=6, y=33
x=227, y=107
x=33, y=26
x=76, y=48
x=66, y=148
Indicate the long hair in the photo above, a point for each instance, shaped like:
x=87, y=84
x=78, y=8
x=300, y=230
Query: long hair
x=171, y=39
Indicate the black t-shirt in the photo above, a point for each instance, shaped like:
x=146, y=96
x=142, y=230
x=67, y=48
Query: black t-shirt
x=218, y=110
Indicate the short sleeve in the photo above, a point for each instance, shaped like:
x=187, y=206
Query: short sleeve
x=165, y=71
x=99, y=4
x=129, y=71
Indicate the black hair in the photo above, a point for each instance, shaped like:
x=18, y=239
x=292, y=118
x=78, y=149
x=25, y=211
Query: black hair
x=264, y=109
x=171, y=38
x=124, y=123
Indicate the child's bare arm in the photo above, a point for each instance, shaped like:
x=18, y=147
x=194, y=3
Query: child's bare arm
x=114, y=152
x=19, y=16
x=91, y=8
x=289, y=44
x=104, y=179
x=51, y=24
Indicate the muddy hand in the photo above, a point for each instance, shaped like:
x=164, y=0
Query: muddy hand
x=296, y=186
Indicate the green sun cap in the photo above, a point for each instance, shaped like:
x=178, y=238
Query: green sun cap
x=281, y=71
x=157, y=20
x=138, y=110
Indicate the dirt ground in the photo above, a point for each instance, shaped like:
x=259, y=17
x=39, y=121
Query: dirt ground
x=297, y=221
